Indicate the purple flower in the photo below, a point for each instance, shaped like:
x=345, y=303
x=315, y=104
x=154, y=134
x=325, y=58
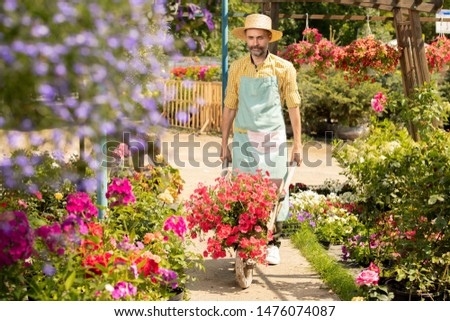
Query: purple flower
x=40, y=68
x=10, y=5
x=182, y=117
x=207, y=17
x=47, y=91
x=193, y=10
x=113, y=42
x=48, y=269
x=137, y=2
x=192, y=45
x=36, y=139
x=168, y=278
x=122, y=290
x=39, y=31
x=345, y=253
x=6, y=54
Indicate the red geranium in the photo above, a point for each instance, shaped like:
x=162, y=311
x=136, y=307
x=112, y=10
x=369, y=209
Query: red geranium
x=438, y=54
x=366, y=56
x=237, y=209
x=314, y=51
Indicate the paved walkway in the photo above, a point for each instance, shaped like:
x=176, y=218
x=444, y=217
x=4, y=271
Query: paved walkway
x=293, y=279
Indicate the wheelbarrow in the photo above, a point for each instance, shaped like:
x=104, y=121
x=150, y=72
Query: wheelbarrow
x=244, y=267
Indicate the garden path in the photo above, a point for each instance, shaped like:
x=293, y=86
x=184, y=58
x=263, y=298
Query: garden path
x=293, y=279
x=197, y=158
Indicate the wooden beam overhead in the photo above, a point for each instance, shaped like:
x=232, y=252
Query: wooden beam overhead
x=386, y=5
x=352, y=17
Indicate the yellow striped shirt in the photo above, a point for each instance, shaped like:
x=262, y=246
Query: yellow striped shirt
x=272, y=66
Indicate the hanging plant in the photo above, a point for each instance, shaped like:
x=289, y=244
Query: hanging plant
x=438, y=54
x=314, y=51
x=366, y=57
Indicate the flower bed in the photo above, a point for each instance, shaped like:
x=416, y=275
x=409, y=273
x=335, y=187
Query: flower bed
x=54, y=246
x=197, y=73
x=333, y=218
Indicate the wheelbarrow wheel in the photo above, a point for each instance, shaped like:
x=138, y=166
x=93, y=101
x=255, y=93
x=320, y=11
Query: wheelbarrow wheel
x=244, y=271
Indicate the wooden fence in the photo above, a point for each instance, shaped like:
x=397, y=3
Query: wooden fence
x=193, y=105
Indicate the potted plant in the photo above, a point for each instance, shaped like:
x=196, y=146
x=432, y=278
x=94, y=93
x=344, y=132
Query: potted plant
x=364, y=58
x=315, y=51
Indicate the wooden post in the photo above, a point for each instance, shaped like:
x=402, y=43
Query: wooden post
x=413, y=61
x=271, y=9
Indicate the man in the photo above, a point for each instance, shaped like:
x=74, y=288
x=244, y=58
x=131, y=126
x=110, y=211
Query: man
x=259, y=85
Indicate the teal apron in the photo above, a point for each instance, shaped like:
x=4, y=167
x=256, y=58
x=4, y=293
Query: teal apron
x=259, y=140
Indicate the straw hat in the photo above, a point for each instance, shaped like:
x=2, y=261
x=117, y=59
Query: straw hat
x=257, y=21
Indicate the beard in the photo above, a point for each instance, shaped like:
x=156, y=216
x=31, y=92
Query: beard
x=257, y=51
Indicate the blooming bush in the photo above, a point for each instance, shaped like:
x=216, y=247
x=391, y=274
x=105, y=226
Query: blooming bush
x=237, y=210
x=402, y=185
x=74, y=64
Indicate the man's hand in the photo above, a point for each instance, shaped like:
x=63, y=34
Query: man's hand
x=296, y=156
x=225, y=154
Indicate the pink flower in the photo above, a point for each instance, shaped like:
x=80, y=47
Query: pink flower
x=378, y=102
x=373, y=267
x=16, y=237
x=22, y=203
x=176, y=224
x=122, y=290
x=367, y=277
x=121, y=191
x=52, y=237
x=81, y=205
x=121, y=150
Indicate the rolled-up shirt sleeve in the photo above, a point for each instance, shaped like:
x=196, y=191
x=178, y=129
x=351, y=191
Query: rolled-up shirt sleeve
x=232, y=91
x=291, y=94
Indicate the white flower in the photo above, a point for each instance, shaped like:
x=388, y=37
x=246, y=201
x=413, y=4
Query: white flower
x=166, y=197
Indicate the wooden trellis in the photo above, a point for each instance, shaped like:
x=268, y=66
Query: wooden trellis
x=413, y=61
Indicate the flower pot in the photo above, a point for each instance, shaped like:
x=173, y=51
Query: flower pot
x=351, y=132
x=325, y=244
x=290, y=228
x=403, y=294
x=178, y=295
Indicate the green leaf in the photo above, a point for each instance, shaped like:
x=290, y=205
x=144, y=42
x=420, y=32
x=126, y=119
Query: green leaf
x=434, y=198
x=440, y=222
x=70, y=280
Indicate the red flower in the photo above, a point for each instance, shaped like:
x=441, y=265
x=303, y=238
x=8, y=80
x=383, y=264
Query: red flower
x=38, y=195
x=237, y=209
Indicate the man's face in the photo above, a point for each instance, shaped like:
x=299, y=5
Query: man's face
x=258, y=41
